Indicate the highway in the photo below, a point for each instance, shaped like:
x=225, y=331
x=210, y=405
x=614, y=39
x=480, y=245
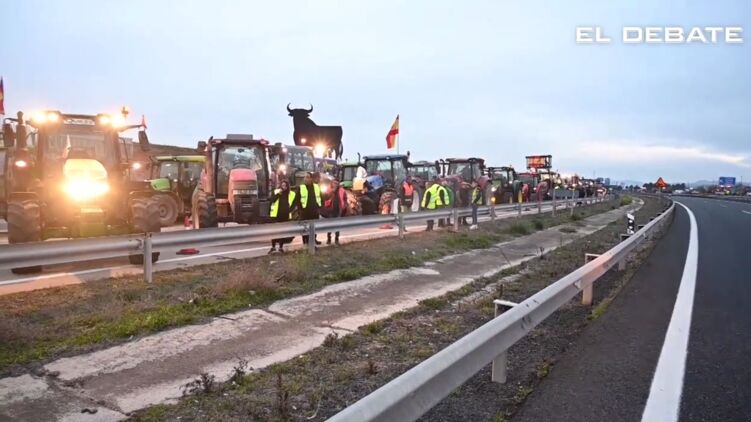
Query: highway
x=676, y=342
x=73, y=273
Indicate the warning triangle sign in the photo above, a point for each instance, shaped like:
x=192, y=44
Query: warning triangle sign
x=660, y=184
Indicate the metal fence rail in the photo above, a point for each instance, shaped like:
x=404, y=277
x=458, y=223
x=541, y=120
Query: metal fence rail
x=413, y=393
x=77, y=250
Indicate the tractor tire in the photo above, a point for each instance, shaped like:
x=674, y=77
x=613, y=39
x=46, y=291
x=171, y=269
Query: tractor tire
x=386, y=202
x=144, y=213
x=354, y=207
x=168, y=209
x=204, y=210
x=24, y=225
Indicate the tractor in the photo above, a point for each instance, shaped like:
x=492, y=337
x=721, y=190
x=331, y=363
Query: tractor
x=68, y=176
x=236, y=181
x=505, y=185
x=385, y=174
x=424, y=171
x=175, y=177
x=292, y=162
x=460, y=173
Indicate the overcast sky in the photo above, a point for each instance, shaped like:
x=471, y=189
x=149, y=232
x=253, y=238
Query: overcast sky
x=496, y=79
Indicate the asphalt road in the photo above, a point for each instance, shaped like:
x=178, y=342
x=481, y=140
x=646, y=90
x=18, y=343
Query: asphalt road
x=675, y=344
x=59, y=275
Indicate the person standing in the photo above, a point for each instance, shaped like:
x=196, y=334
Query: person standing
x=433, y=198
x=447, y=200
x=309, y=202
x=407, y=194
x=282, y=205
x=335, y=207
x=476, y=201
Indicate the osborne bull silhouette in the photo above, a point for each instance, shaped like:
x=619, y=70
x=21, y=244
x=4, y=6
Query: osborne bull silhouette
x=308, y=133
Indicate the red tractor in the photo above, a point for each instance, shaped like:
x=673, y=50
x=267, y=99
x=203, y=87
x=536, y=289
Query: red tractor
x=236, y=182
x=460, y=173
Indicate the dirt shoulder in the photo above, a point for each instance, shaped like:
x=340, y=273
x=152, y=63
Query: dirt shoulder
x=38, y=326
x=317, y=384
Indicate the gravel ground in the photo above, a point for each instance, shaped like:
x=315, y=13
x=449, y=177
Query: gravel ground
x=318, y=384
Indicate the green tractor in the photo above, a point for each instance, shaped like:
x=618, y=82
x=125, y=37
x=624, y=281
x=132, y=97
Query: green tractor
x=174, y=178
x=68, y=176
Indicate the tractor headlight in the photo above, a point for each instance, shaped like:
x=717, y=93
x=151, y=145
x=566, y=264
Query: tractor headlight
x=83, y=190
x=283, y=168
x=244, y=192
x=85, y=179
x=493, y=189
x=325, y=189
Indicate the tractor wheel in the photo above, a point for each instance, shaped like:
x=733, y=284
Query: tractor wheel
x=204, y=210
x=24, y=225
x=354, y=207
x=144, y=213
x=168, y=209
x=387, y=202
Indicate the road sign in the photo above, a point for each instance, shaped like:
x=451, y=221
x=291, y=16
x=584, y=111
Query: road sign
x=660, y=184
x=539, y=161
x=727, y=182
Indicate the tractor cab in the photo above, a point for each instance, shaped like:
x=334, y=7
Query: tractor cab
x=347, y=172
x=505, y=186
x=292, y=162
x=175, y=177
x=424, y=171
x=236, y=181
x=386, y=171
x=460, y=173
x=68, y=175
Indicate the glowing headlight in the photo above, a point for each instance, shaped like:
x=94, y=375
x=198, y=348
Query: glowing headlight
x=319, y=150
x=136, y=166
x=44, y=117
x=21, y=163
x=83, y=189
x=283, y=168
x=493, y=189
x=117, y=120
x=104, y=119
x=325, y=189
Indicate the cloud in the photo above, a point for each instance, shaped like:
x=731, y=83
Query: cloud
x=630, y=152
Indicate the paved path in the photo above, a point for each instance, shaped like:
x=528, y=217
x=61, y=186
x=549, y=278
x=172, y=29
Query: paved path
x=153, y=369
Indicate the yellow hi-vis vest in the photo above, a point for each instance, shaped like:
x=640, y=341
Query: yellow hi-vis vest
x=435, y=200
x=304, y=194
x=275, y=206
x=475, y=194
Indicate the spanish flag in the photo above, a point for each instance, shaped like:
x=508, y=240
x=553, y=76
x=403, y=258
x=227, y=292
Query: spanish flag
x=393, y=134
x=2, y=97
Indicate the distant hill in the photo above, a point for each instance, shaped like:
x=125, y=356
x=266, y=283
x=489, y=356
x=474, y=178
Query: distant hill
x=700, y=183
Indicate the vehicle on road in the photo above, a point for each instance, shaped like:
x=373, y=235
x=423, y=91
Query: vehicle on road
x=385, y=175
x=67, y=175
x=505, y=185
x=174, y=178
x=424, y=171
x=236, y=181
x=460, y=173
x=292, y=162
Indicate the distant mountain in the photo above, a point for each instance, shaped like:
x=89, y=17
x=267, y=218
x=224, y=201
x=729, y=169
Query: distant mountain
x=627, y=182
x=699, y=183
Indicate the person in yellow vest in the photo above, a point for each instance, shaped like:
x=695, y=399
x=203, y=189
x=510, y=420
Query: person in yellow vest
x=433, y=198
x=476, y=202
x=282, y=205
x=309, y=202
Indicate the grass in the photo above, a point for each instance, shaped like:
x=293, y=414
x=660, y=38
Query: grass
x=43, y=324
x=327, y=379
x=626, y=200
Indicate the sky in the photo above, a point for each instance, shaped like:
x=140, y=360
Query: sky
x=494, y=79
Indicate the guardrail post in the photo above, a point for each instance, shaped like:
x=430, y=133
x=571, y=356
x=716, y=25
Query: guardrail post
x=499, y=372
x=311, y=237
x=539, y=203
x=148, y=266
x=400, y=224
x=588, y=291
x=455, y=216
x=519, y=208
x=492, y=212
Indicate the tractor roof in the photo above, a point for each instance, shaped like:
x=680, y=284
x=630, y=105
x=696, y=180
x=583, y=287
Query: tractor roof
x=350, y=164
x=298, y=148
x=239, y=139
x=423, y=163
x=182, y=158
x=386, y=157
x=464, y=160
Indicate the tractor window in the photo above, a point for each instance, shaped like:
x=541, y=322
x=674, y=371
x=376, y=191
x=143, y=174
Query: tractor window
x=378, y=167
x=301, y=159
x=169, y=169
x=400, y=171
x=239, y=157
x=81, y=144
x=349, y=173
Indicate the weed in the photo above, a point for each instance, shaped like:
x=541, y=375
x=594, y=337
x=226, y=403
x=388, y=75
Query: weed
x=373, y=328
x=576, y=216
x=567, y=229
x=626, y=200
x=522, y=393
x=544, y=369
x=282, y=399
x=519, y=229
x=239, y=371
x=204, y=384
x=330, y=340
x=500, y=417
x=538, y=224
x=434, y=303
x=372, y=368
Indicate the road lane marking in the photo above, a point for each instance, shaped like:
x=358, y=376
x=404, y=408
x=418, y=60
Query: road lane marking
x=746, y=212
x=664, y=400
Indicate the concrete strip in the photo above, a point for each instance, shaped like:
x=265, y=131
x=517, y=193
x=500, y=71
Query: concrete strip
x=155, y=369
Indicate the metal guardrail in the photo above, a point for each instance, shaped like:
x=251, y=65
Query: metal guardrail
x=76, y=250
x=413, y=393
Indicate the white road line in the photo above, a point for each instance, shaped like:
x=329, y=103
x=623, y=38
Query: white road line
x=723, y=206
x=746, y=212
x=664, y=402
